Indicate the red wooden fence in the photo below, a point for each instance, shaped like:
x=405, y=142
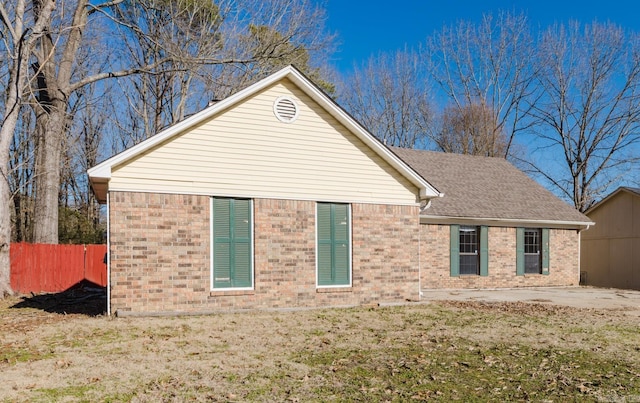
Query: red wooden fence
x=55, y=268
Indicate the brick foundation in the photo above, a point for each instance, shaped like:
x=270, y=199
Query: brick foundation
x=160, y=256
x=435, y=270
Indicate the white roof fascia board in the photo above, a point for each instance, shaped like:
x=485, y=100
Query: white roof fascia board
x=103, y=170
x=505, y=222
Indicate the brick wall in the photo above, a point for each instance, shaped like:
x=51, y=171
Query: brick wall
x=160, y=255
x=159, y=251
x=435, y=270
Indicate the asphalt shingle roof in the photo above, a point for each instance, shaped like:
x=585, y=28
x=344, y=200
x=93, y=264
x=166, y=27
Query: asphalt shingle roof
x=485, y=188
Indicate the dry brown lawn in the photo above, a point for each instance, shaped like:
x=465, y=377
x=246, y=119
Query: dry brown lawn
x=439, y=351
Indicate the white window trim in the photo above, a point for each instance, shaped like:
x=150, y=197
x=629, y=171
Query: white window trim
x=211, y=265
x=350, y=249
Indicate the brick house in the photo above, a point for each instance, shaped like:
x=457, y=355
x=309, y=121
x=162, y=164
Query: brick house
x=495, y=227
x=276, y=197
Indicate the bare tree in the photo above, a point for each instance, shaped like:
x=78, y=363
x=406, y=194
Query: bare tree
x=471, y=129
x=176, y=48
x=21, y=171
x=277, y=51
x=79, y=220
x=44, y=45
x=187, y=30
x=388, y=96
x=23, y=33
x=270, y=34
x=54, y=84
x=589, y=113
x=488, y=63
x=217, y=50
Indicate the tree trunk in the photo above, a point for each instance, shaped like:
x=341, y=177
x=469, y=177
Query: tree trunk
x=47, y=181
x=5, y=210
x=6, y=134
x=20, y=52
x=53, y=98
x=12, y=110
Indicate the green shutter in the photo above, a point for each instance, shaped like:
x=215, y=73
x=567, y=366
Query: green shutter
x=221, y=243
x=334, y=242
x=484, y=250
x=241, y=243
x=324, y=263
x=455, y=250
x=325, y=244
x=231, y=243
x=545, y=251
x=520, y=251
x=341, y=244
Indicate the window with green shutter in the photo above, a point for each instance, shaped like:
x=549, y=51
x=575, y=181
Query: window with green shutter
x=333, y=251
x=469, y=250
x=532, y=251
x=231, y=240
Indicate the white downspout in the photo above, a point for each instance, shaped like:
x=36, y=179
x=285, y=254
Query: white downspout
x=419, y=260
x=579, y=253
x=423, y=207
x=108, y=258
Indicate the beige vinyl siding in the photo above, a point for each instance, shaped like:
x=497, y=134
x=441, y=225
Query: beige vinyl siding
x=247, y=152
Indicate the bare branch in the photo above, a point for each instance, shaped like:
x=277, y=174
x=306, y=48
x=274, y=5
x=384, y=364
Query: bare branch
x=100, y=7
x=489, y=64
x=589, y=110
x=148, y=69
x=4, y=17
x=388, y=96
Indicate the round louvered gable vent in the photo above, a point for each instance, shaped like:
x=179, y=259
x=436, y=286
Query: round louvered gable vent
x=285, y=109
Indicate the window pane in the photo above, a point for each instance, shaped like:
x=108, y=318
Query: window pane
x=469, y=262
x=468, y=239
x=532, y=243
x=532, y=264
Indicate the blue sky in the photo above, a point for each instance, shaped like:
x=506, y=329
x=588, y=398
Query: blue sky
x=366, y=27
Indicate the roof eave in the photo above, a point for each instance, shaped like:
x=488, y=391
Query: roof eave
x=100, y=187
x=505, y=222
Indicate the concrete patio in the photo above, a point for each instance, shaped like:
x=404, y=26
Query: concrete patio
x=578, y=297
